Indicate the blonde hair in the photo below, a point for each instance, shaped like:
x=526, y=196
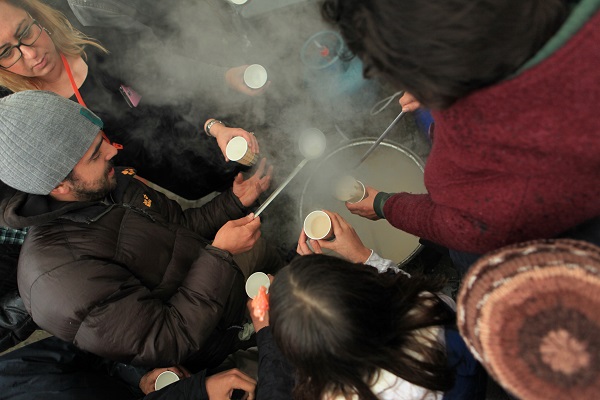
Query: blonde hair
x=68, y=40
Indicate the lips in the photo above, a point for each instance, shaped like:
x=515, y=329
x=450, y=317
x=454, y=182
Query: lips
x=42, y=63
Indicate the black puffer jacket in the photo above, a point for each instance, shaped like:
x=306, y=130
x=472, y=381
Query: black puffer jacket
x=132, y=279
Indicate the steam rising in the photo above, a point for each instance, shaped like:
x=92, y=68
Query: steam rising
x=181, y=63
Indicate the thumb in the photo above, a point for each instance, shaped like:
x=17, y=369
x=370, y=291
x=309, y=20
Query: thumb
x=238, y=178
x=251, y=222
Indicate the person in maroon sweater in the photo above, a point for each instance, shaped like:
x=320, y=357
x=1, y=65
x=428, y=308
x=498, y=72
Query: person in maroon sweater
x=514, y=86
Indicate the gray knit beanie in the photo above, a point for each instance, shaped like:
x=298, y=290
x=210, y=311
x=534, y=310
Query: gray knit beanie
x=42, y=137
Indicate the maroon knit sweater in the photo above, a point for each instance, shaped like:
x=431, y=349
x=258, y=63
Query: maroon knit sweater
x=515, y=161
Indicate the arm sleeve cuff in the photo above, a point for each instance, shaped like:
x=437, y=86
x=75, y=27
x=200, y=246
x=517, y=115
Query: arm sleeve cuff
x=379, y=202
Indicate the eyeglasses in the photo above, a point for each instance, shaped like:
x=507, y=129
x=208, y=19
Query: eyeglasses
x=30, y=35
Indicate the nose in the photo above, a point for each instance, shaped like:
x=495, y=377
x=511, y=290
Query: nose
x=109, y=150
x=28, y=52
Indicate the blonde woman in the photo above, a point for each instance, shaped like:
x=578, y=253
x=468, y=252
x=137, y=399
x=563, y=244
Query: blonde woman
x=40, y=49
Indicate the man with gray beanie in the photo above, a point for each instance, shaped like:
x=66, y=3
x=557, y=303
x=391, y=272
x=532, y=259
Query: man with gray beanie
x=112, y=265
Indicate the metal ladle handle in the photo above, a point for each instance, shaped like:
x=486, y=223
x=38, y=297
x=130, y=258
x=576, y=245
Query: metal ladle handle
x=380, y=139
x=280, y=188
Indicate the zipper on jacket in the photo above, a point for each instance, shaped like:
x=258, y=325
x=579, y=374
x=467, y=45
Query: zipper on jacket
x=124, y=205
x=138, y=211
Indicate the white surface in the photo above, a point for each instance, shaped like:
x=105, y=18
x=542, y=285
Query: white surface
x=255, y=76
x=317, y=225
x=236, y=148
x=255, y=281
x=165, y=379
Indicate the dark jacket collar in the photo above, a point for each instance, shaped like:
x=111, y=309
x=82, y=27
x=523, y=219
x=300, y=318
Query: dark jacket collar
x=20, y=210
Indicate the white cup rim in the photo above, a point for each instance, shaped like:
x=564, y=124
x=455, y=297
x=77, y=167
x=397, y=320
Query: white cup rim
x=308, y=217
x=364, y=193
x=158, y=386
x=262, y=278
x=236, y=148
x=255, y=76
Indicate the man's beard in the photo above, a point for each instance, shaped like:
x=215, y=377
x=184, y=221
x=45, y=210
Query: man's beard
x=96, y=190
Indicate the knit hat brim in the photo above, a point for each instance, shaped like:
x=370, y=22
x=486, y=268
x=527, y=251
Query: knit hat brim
x=42, y=137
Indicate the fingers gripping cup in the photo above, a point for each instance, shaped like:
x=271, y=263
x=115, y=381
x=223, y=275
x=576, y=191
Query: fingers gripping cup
x=255, y=281
x=239, y=151
x=165, y=379
x=317, y=226
x=255, y=76
x=347, y=188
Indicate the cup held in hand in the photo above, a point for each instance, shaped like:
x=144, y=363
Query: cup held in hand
x=255, y=76
x=347, y=188
x=255, y=281
x=317, y=226
x=238, y=150
x=165, y=379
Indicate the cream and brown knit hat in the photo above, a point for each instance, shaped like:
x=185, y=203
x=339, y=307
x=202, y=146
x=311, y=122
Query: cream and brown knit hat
x=530, y=313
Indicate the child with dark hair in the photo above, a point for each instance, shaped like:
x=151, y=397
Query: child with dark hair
x=351, y=331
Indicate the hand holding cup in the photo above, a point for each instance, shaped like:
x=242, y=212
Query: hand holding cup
x=151, y=382
x=224, y=134
x=364, y=208
x=347, y=243
x=235, y=80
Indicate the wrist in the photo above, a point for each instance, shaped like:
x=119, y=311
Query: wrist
x=362, y=256
x=379, y=203
x=212, y=126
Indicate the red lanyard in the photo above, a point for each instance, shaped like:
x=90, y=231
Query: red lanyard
x=80, y=99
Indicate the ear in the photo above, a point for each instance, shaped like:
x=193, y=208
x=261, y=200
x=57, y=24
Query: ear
x=62, y=189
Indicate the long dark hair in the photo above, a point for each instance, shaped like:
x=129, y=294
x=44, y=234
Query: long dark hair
x=441, y=50
x=339, y=323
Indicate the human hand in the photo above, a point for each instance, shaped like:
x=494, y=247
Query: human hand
x=235, y=80
x=224, y=134
x=221, y=386
x=149, y=379
x=258, y=324
x=248, y=190
x=365, y=208
x=409, y=102
x=347, y=243
x=239, y=235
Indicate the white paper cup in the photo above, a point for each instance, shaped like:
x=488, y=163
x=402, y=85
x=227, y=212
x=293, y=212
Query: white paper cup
x=347, y=188
x=317, y=226
x=255, y=281
x=239, y=151
x=165, y=379
x=255, y=76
